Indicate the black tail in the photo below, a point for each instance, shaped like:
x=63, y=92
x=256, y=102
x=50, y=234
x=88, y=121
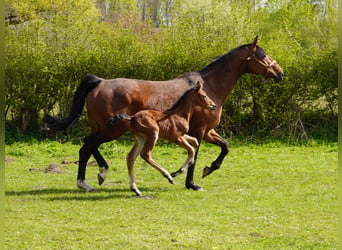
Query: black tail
x=116, y=118
x=88, y=83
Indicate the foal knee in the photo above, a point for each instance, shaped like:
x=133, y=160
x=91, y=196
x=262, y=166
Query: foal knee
x=146, y=156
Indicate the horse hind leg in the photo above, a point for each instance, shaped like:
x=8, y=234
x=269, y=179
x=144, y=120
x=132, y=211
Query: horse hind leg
x=84, y=155
x=190, y=144
x=93, y=142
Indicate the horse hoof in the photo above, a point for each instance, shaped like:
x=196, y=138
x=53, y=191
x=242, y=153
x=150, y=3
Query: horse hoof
x=92, y=190
x=100, y=179
x=193, y=186
x=206, y=171
x=84, y=186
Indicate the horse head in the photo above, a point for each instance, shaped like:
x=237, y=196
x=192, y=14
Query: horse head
x=259, y=63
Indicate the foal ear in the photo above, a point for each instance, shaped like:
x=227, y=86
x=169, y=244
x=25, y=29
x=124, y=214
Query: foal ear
x=198, y=86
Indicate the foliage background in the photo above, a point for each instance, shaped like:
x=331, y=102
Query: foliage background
x=51, y=45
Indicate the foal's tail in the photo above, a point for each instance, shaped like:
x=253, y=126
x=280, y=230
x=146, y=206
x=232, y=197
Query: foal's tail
x=88, y=83
x=116, y=118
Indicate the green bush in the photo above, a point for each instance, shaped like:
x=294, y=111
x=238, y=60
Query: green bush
x=52, y=46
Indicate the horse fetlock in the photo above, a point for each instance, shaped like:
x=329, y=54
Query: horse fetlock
x=215, y=165
x=174, y=174
x=208, y=170
x=102, y=175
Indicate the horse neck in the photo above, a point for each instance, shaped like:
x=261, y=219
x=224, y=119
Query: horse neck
x=184, y=107
x=221, y=76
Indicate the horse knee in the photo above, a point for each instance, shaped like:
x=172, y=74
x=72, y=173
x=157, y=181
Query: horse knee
x=146, y=156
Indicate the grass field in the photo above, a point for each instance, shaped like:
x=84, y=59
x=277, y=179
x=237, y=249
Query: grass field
x=264, y=197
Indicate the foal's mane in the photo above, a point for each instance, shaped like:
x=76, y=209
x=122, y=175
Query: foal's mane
x=260, y=53
x=185, y=94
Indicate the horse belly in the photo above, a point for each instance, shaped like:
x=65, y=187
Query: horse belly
x=104, y=104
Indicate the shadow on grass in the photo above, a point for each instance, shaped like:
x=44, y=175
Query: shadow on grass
x=75, y=194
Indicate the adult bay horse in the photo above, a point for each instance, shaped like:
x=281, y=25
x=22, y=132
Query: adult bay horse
x=106, y=98
x=149, y=125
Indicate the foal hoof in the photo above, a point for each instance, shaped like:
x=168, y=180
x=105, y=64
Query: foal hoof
x=171, y=180
x=206, y=171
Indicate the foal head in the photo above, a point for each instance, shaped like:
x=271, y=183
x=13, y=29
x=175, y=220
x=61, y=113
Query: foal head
x=259, y=63
x=201, y=98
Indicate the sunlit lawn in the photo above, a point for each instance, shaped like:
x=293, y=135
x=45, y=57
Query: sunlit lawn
x=263, y=197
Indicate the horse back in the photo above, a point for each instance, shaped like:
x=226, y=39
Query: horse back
x=128, y=96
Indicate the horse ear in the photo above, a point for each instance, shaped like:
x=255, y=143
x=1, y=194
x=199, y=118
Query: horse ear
x=198, y=86
x=254, y=43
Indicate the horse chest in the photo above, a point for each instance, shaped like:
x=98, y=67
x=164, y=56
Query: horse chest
x=203, y=118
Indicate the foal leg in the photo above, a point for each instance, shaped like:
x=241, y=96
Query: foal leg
x=146, y=154
x=190, y=144
x=138, y=145
x=213, y=137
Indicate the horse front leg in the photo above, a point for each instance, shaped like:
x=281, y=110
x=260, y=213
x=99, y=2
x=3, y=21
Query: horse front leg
x=213, y=137
x=189, y=181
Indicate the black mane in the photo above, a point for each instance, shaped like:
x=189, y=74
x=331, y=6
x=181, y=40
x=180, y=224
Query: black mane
x=260, y=53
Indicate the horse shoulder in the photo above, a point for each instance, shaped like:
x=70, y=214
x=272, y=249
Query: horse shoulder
x=205, y=119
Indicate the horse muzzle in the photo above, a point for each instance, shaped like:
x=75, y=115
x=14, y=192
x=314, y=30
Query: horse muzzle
x=212, y=107
x=280, y=77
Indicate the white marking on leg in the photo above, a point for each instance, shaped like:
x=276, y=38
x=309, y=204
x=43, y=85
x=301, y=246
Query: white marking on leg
x=131, y=157
x=101, y=176
x=190, y=144
x=83, y=185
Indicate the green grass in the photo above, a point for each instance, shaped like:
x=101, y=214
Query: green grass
x=270, y=196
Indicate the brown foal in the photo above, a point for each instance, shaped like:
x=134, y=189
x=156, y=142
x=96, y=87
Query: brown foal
x=148, y=125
